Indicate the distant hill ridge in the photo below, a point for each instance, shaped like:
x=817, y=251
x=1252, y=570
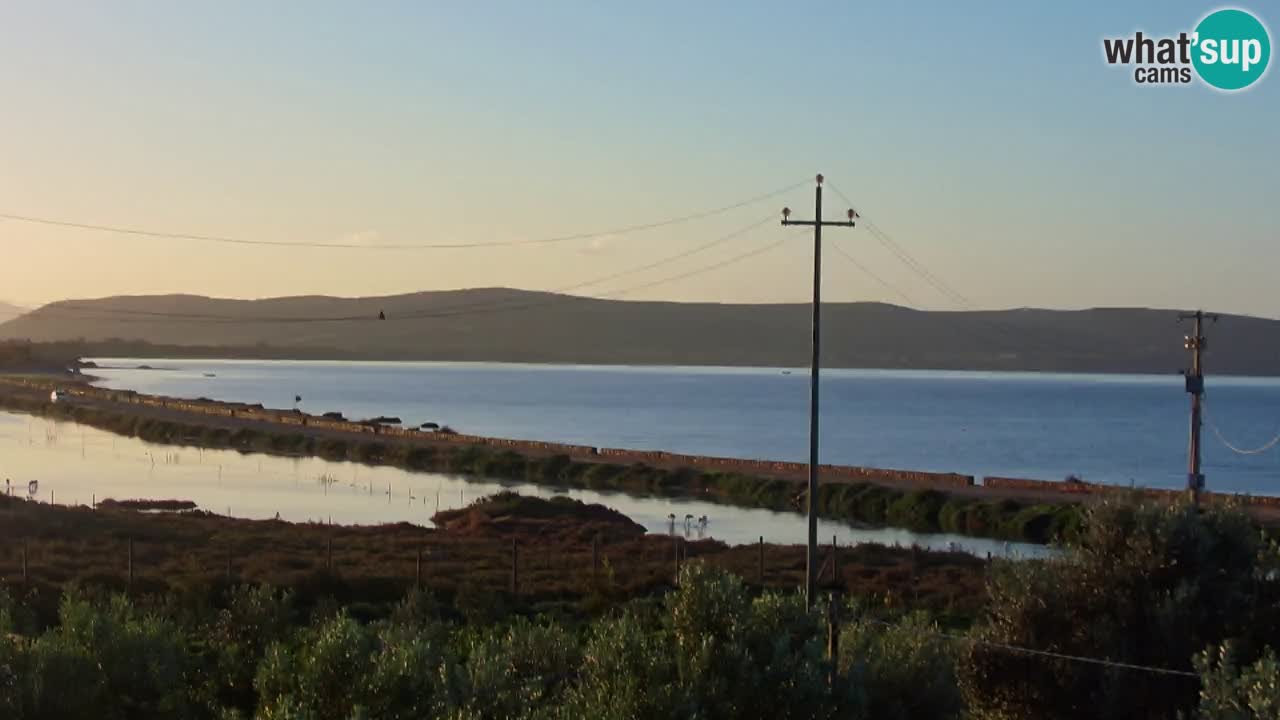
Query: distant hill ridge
x=9, y=312
x=498, y=324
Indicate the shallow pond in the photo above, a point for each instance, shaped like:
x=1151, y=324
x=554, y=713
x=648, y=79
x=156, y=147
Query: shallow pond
x=75, y=464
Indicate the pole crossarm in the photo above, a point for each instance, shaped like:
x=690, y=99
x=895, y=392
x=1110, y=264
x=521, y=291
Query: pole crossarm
x=825, y=223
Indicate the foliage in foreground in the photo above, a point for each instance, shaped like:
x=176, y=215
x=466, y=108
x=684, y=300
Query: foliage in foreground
x=709, y=650
x=1146, y=585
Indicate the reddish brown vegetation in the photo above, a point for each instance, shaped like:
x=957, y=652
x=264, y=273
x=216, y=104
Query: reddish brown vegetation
x=379, y=563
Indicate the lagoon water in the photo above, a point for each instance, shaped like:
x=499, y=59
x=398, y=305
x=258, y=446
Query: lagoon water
x=1118, y=429
x=76, y=465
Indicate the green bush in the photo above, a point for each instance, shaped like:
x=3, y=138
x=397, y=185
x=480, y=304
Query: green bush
x=1142, y=584
x=316, y=676
x=903, y=670
x=1231, y=692
x=917, y=510
x=511, y=671
x=237, y=639
x=627, y=672
x=107, y=662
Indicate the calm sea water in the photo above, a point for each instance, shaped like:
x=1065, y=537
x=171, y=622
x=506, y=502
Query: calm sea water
x=74, y=465
x=1109, y=428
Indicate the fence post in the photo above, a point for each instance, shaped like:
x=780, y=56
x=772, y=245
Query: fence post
x=417, y=570
x=760, y=566
x=835, y=562
x=129, y=562
x=328, y=555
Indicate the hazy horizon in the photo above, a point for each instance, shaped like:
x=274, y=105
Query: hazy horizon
x=997, y=148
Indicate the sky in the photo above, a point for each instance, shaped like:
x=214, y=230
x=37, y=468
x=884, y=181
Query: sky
x=995, y=146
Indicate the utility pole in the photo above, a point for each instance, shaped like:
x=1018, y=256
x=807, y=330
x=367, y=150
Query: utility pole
x=811, y=553
x=1196, y=343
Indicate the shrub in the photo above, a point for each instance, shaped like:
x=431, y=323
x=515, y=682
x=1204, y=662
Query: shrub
x=627, y=672
x=238, y=637
x=107, y=662
x=902, y=670
x=313, y=677
x=513, y=669
x=411, y=675
x=1143, y=584
x=1231, y=692
x=917, y=510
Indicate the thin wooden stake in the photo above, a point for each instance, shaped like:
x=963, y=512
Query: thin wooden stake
x=417, y=571
x=760, y=567
x=328, y=551
x=835, y=562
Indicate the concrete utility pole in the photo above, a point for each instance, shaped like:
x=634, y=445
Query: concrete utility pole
x=811, y=555
x=1196, y=343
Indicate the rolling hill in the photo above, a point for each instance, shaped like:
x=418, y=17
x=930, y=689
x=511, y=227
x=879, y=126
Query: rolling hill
x=9, y=312
x=520, y=326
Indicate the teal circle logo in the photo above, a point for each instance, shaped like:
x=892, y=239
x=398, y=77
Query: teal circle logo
x=1232, y=49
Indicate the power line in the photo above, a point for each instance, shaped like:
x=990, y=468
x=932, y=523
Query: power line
x=869, y=273
x=1233, y=448
x=455, y=311
x=909, y=260
x=700, y=271
x=1055, y=655
x=412, y=246
x=993, y=328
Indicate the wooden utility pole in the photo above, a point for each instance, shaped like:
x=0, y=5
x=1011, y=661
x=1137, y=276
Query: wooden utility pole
x=1196, y=343
x=811, y=554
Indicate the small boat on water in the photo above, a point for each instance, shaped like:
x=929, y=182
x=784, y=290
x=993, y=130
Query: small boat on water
x=210, y=375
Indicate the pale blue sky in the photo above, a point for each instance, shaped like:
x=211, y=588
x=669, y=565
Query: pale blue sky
x=989, y=139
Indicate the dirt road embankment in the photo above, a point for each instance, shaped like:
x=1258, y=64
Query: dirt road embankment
x=239, y=415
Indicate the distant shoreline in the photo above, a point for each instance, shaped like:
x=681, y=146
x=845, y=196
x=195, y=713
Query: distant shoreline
x=796, y=371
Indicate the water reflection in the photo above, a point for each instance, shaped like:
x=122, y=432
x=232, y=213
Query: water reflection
x=75, y=464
